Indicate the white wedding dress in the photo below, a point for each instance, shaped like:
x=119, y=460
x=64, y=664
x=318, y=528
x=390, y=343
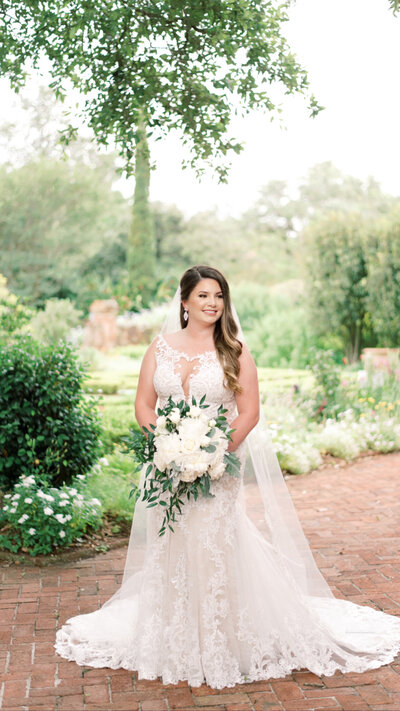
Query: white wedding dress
x=212, y=601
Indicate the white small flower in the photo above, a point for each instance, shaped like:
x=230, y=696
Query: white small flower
x=62, y=534
x=48, y=511
x=40, y=494
x=60, y=518
x=72, y=491
x=5, y=508
x=68, y=518
x=28, y=480
x=32, y=531
x=48, y=497
x=64, y=502
x=13, y=510
x=95, y=501
x=79, y=497
x=212, y=423
x=194, y=411
x=7, y=496
x=15, y=497
x=64, y=495
x=104, y=461
x=81, y=477
x=161, y=423
x=28, y=500
x=23, y=518
x=175, y=415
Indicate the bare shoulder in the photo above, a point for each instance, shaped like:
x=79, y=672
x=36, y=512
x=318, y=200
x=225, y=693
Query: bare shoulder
x=245, y=357
x=173, y=339
x=149, y=355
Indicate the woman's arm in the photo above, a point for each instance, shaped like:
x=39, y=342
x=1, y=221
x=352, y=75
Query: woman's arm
x=146, y=396
x=247, y=402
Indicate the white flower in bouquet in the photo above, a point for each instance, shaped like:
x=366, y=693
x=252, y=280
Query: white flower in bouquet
x=217, y=470
x=193, y=464
x=168, y=448
x=161, y=425
x=195, y=411
x=175, y=415
x=191, y=432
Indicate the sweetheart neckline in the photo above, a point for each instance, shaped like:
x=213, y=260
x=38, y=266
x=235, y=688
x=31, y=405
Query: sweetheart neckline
x=186, y=355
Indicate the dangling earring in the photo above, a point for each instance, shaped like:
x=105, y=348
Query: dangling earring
x=185, y=314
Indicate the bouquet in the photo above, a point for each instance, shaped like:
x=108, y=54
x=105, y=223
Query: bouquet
x=182, y=455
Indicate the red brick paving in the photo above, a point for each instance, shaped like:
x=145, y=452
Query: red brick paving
x=351, y=517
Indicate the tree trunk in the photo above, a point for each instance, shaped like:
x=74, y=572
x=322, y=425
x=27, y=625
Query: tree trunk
x=141, y=246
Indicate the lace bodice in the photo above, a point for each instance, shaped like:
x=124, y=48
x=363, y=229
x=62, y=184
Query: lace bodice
x=206, y=377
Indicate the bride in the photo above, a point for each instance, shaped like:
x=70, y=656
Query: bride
x=233, y=594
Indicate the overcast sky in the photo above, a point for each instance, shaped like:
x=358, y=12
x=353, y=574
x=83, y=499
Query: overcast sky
x=351, y=50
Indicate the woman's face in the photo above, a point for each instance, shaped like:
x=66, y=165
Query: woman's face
x=205, y=303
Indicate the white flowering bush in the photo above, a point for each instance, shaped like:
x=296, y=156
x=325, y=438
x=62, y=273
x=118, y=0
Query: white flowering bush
x=295, y=451
x=37, y=518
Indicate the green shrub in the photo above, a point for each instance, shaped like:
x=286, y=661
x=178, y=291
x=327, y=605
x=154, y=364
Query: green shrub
x=13, y=315
x=47, y=425
x=40, y=518
x=56, y=321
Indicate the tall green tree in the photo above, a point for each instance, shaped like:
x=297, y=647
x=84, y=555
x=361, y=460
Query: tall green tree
x=189, y=63
x=55, y=219
x=337, y=278
x=141, y=245
x=383, y=260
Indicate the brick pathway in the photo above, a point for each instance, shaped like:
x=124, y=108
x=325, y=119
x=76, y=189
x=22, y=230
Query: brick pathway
x=351, y=517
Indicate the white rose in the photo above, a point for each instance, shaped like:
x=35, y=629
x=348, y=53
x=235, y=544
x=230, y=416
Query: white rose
x=175, y=415
x=191, y=431
x=212, y=423
x=195, y=411
x=48, y=511
x=161, y=425
x=167, y=449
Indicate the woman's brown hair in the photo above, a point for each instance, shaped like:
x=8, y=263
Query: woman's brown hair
x=227, y=345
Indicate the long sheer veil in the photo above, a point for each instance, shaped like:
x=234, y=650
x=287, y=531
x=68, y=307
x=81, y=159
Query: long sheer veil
x=265, y=496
